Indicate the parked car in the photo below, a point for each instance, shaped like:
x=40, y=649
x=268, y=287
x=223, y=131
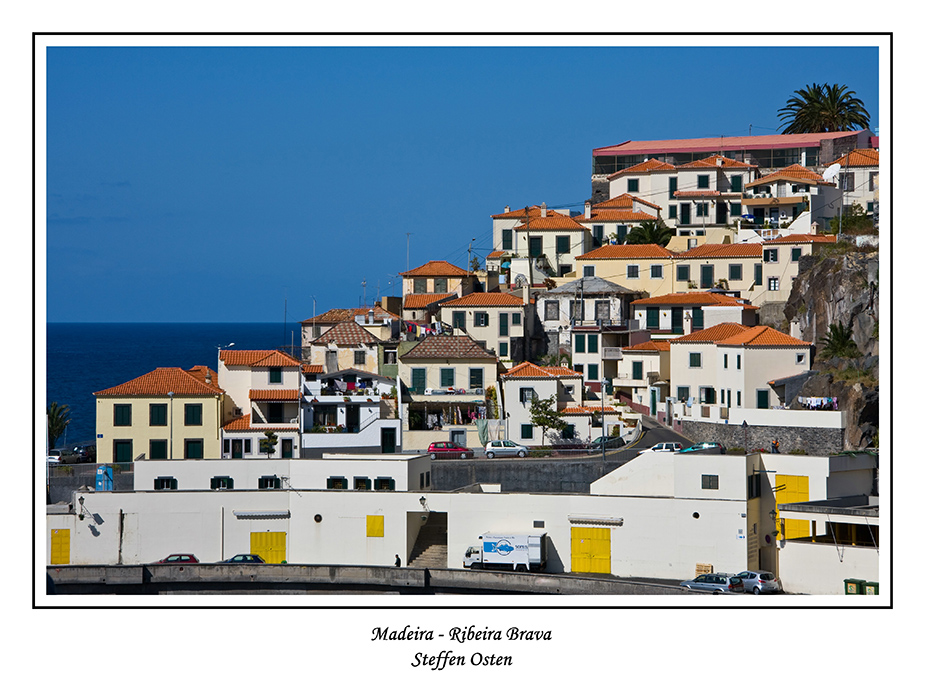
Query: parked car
x=53, y=457
x=179, y=559
x=716, y=448
x=610, y=443
x=504, y=448
x=447, y=450
x=664, y=447
x=760, y=581
x=244, y=558
x=717, y=582
x=85, y=453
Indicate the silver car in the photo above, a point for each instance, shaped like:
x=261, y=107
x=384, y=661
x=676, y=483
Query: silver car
x=504, y=448
x=664, y=447
x=717, y=582
x=760, y=581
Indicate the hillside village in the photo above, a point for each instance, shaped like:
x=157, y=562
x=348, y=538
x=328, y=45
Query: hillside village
x=676, y=299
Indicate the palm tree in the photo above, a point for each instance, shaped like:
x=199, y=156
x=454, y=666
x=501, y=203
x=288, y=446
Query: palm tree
x=650, y=232
x=837, y=343
x=823, y=108
x=58, y=419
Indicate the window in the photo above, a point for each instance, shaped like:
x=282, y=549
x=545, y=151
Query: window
x=480, y=319
x=738, y=362
x=551, y=310
x=655, y=271
x=597, y=235
x=268, y=483
x=515, y=318
x=276, y=375
x=157, y=449
x=440, y=285
x=502, y=349
x=576, y=310
x=691, y=243
x=384, y=484
x=738, y=398
x=362, y=484
x=735, y=271
x=418, y=380
x=694, y=360
x=122, y=451
x=579, y=343
x=447, y=377
x=637, y=370
x=632, y=185
x=801, y=358
x=420, y=285
x=602, y=311
x=762, y=399
x=652, y=317
x=165, y=483
x=703, y=209
x=872, y=183
x=697, y=318
x=579, y=368
x=759, y=276
x=770, y=255
x=684, y=392
x=683, y=272
x=725, y=361
x=337, y=483
x=507, y=239
x=587, y=271
x=527, y=395
x=672, y=187
x=736, y=183
x=735, y=209
x=709, y=482
x=192, y=414
x=708, y=395
x=703, y=181
x=526, y=431
x=122, y=415
x=754, y=486
x=222, y=483
x=632, y=272
x=592, y=343
x=592, y=372
x=192, y=448
x=795, y=253
x=673, y=210
x=569, y=431
x=564, y=269
x=773, y=284
x=459, y=320
x=359, y=357
x=562, y=244
x=476, y=377
x=157, y=415
x=536, y=245
x=502, y=325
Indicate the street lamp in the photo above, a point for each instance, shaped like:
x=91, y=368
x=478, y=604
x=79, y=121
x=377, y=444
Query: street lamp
x=603, y=427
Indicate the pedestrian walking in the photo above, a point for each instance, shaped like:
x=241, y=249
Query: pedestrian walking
x=397, y=561
x=775, y=447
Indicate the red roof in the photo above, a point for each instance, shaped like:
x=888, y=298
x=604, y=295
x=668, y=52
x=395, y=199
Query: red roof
x=347, y=333
x=337, y=315
x=244, y=424
x=694, y=299
x=652, y=345
x=486, y=299
x=265, y=358
x=720, y=144
x=166, y=380
x=645, y=168
x=414, y=301
x=717, y=250
x=553, y=221
x=800, y=238
x=527, y=370
x=628, y=252
x=623, y=201
x=860, y=157
x=713, y=334
x=762, y=336
x=274, y=395
x=438, y=268
x=716, y=162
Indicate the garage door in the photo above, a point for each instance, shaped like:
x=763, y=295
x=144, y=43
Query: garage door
x=790, y=490
x=271, y=546
x=60, y=547
x=591, y=549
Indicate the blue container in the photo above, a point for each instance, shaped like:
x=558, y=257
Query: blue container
x=104, y=478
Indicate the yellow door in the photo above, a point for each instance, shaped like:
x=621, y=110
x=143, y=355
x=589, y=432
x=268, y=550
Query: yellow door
x=271, y=546
x=60, y=547
x=792, y=489
x=591, y=549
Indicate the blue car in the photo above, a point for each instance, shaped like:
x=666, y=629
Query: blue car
x=714, y=448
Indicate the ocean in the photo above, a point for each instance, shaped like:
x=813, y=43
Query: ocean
x=83, y=358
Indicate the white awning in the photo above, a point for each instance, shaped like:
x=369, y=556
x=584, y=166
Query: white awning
x=260, y=515
x=596, y=520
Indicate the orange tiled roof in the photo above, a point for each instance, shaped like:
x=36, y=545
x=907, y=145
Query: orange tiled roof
x=652, y=345
x=497, y=254
x=623, y=201
x=275, y=395
x=486, y=299
x=553, y=221
x=762, y=336
x=313, y=369
x=527, y=370
x=617, y=215
x=244, y=424
x=438, y=268
x=800, y=237
x=694, y=299
x=346, y=333
x=711, y=163
x=717, y=250
x=859, y=157
x=628, y=252
x=696, y=194
x=794, y=172
x=646, y=167
x=424, y=300
x=258, y=358
x=587, y=409
x=534, y=211
x=337, y=315
x=164, y=380
x=442, y=346
x=712, y=335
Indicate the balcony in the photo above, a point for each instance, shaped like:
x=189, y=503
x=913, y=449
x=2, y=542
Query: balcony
x=612, y=353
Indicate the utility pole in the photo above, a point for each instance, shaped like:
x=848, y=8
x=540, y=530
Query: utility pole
x=529, y=252
x=408, y=256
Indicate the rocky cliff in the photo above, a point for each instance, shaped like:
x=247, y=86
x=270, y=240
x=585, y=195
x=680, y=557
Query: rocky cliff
x=842, y=288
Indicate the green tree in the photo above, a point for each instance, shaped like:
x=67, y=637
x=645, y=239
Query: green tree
x=651, y=232
x=268, y=443
x=837, y=343
x=543, y=413
x=475, y=263
x=823, y=108
x=854, y=219
x=58, y=419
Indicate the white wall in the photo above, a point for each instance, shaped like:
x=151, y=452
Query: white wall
x=821, y=569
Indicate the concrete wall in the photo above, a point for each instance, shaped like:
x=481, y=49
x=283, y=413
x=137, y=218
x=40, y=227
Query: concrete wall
x=814, y=441
x=823, y=568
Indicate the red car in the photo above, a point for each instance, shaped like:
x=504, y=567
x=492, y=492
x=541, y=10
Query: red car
x=179, y=559
x=449, y=451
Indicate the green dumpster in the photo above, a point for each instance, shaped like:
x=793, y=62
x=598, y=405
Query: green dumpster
x=871, y=588
x=854, y=587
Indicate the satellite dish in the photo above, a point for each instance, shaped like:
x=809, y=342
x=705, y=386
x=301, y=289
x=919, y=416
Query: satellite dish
x=520, y=280
x=831, y=173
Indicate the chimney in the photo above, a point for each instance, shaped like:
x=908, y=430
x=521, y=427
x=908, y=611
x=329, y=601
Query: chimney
x=719, y=161
x=507, y=208
x=587, y=209
x=208, y=376
x=543, y=210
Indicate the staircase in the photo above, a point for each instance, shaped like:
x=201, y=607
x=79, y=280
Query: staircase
x=430, y=547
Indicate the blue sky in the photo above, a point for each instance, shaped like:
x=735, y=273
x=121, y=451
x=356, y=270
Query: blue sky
x=239, y=184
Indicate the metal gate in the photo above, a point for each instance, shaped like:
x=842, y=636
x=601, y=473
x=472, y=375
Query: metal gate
x=591, y=549
x=271, y=546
